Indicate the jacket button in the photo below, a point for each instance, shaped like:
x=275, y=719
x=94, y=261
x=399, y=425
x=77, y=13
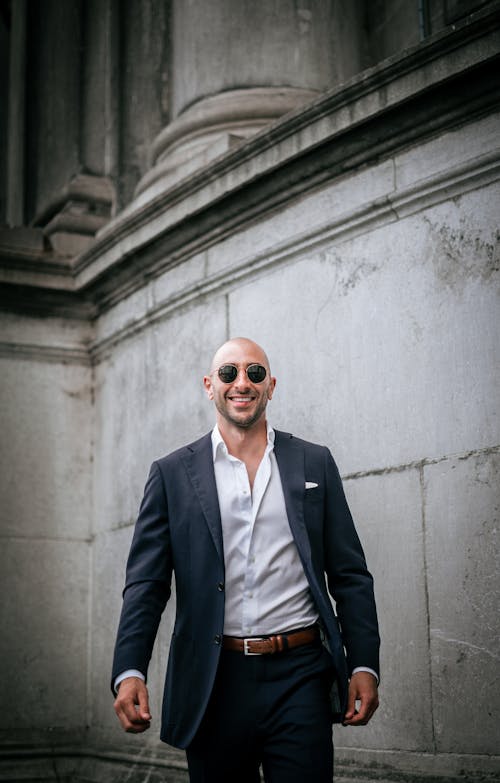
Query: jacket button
x=218, y=639
x=220, y=587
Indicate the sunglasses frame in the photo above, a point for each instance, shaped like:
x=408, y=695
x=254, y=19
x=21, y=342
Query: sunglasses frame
x=229, y=364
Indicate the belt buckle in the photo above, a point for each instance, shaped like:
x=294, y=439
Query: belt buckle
x=246, y=650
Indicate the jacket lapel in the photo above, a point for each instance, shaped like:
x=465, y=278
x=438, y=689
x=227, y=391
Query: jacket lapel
x=198, y=459
x=290, y=458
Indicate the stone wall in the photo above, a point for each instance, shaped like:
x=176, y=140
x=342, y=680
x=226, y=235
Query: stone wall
x=383, y=340
x=356, y=239
x=46, y=553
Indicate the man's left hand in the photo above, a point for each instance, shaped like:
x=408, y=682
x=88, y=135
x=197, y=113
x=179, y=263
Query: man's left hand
x=362, y=689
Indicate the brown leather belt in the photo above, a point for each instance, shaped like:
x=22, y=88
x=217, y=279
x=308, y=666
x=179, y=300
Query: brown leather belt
x=267, y=645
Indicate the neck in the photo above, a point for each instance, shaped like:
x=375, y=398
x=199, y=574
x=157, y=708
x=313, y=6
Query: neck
x=241, y=442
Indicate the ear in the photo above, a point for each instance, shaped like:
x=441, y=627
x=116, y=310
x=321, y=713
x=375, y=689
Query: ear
x=271, y=388
x=207, y=383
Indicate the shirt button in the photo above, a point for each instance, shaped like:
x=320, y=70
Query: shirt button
x=217, y=639
x=220, y=587
x=250, y=595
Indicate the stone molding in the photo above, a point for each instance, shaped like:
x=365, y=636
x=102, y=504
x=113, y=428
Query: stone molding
x=392, y=105
x=235, y=113
x=33, y=352
x=72, y=218
x=83, y=188
x=88, y=763
x=477, y=173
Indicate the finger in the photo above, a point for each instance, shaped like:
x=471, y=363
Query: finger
x=352, y=716
x=138, y=727
x=132, y=723
x=128, y=711
x=125, y=708
x=367, y=707
x=360, y=718
x=144, y=704
x=351, y=703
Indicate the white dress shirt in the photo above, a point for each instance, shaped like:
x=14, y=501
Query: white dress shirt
x=266, y=587
x=266, y=590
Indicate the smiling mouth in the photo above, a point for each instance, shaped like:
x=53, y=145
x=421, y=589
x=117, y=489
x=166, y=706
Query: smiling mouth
x=241, y=400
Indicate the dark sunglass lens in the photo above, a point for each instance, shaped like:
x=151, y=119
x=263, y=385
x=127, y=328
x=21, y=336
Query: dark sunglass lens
x=256, y=373
x=227, y=373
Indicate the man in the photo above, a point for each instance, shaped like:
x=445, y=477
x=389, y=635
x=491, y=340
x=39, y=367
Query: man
x=254, y=524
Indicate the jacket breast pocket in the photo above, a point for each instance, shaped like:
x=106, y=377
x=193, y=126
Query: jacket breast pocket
x=314, y=495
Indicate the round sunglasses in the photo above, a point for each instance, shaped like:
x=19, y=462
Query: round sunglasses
x=229, y=372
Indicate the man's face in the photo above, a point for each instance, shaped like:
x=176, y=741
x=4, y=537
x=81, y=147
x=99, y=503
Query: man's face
x=241, y=402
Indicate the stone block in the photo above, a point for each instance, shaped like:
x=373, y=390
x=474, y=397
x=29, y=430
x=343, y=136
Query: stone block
x=20, y=332
x=281, y=234
x=443, y=152
x=463, y=557
x=66, y=243
x=127, y=316
x=43, y=617
x=395, y=331
x=183, y=278
x=387, y=510
x=45, y=457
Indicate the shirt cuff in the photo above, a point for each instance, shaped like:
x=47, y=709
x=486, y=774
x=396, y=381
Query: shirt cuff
x=360, y=669
x=124, y=675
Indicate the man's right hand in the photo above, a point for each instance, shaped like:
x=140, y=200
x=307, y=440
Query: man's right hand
x=132, y=705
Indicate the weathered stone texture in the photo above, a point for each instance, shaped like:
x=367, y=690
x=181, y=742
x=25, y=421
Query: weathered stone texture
x=44, y=621
x=45, y=458
x=422, y=291
x=276, y=44
x=387, y=509
x=463, y=556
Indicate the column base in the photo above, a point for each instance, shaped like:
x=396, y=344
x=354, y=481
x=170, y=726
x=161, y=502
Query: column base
x=213, y=126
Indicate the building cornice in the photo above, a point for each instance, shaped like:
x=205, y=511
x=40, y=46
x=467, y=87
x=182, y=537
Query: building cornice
x=447, y=81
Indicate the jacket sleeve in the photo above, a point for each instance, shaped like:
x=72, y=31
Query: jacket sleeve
x=349, y=581
x=148, y=581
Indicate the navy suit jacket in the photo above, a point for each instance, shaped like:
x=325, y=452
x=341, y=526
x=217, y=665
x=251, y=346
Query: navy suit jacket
x=179, y=530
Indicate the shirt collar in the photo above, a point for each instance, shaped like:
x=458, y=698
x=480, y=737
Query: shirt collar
x=219, y=447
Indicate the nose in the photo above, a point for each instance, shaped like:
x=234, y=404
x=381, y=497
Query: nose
x=241, y=380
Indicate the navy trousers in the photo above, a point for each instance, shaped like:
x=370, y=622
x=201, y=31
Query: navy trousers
x=269, y=710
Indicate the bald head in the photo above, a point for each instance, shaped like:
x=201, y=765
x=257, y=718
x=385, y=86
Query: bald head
x=239, y=400
x=232, y=350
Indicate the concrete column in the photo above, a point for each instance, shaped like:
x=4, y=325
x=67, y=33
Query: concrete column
x=239, y=65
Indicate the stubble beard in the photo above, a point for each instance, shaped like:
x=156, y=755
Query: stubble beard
x=244, y=424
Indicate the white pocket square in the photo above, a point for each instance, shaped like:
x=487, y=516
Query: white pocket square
x=311, y=484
